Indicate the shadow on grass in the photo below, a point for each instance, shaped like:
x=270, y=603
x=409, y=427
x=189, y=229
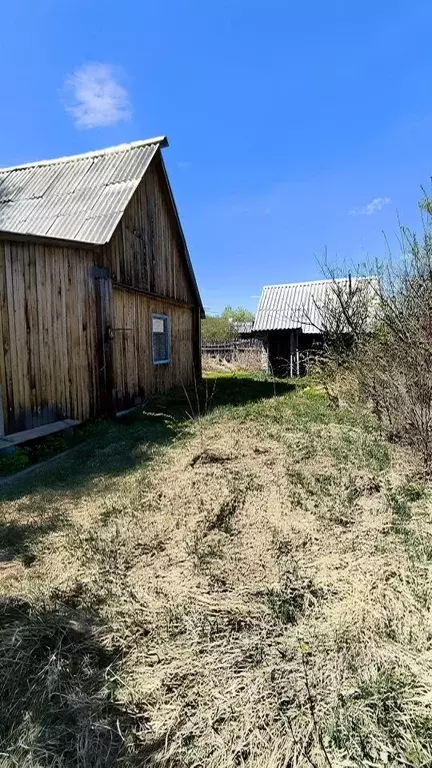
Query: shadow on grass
x=18, y=541
x=234, y=390
x=58, y=670
x=57, y=688
x=111, y=448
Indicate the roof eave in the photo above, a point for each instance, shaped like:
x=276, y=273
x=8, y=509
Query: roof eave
x=46, y=240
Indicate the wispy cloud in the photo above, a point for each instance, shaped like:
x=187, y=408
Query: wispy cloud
x=375, y=205
x=95, y=96
x=183, y=164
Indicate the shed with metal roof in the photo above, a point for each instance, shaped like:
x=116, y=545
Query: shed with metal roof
x=291, y=318
x=99, y=305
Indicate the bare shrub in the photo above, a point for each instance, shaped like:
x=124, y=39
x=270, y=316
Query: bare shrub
x=347, y=319
x=402, y=347
x=379, y=336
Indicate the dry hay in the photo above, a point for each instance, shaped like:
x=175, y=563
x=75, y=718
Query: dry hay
x=265, y=607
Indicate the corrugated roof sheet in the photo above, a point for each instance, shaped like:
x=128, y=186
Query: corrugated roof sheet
x=296, y=305
x=80, y=198
x=243, y=327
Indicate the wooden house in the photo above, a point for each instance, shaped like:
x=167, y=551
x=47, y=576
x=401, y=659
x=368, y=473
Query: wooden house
x=99, y=306
x=290, y=319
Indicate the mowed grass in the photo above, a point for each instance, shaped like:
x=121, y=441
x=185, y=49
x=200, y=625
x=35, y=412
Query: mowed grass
x=237, y=579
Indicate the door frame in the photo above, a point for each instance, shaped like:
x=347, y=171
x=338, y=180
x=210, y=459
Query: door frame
x=104, y=304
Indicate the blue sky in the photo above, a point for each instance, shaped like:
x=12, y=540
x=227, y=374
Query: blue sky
x=294, y=126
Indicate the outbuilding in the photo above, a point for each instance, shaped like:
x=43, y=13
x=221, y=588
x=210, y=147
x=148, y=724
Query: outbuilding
x=290, y=319
x=99, y=306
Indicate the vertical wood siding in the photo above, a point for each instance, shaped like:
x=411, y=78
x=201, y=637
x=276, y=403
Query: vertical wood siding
x=134, y=371
x=48, y=344
x=145, y=251
x=51, y=317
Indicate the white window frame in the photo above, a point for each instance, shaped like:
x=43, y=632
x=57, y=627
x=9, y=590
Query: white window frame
x=166, y=320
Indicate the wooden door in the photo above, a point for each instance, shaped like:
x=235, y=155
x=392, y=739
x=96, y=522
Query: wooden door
x=105, y=334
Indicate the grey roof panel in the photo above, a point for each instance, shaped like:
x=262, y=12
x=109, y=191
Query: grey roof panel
x=296, y=305
x=64, y=226
x=98, y=227
x=66, y=184
x=27, y=184
x=79, y=201
x=16, y=212
x=38, y=217
x=113, y=198
x=78, y=198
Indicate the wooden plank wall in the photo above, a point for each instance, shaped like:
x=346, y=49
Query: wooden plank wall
x=133, y=368
x=48, y=344
x=48, y=315
x=145, y=251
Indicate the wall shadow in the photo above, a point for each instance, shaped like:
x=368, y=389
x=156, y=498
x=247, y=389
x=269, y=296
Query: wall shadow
x=57, y=675
x=57, y=689
x=236, y=390
x=111, y=448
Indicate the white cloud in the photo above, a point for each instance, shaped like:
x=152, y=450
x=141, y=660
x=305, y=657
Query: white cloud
x=95, y=97
x=375, y=205
x=184, y=164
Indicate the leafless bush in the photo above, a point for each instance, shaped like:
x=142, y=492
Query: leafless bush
x=347, y=317
x=381, y=335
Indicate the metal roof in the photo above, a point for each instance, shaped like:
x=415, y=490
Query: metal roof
x=80, y=198
x=296, y=305
x=242, y=327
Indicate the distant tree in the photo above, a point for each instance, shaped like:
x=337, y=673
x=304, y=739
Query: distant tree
x=237, y=314
x=215, y=328
x=220, y=327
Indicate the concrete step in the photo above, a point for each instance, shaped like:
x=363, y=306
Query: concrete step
x=33, y=434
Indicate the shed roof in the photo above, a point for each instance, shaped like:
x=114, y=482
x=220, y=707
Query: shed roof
x=78, y=198
x=242, y=327
x=297, y=305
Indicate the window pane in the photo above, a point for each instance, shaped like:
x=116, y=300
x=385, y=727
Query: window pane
x=158, y=325
x=160, y=346
x=160, y=339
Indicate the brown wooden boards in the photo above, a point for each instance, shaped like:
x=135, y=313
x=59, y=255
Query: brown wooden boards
x=146, y=250
x=58, y=358
x=47, y=335
x=134, y=372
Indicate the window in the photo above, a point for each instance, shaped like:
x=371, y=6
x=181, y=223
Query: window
x=161, y=341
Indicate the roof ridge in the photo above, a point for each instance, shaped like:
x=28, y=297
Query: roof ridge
x=162, y=140
x=318, y=282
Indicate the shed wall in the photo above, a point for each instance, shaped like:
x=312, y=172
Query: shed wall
x=55, y=317
x=145, y=251
x=134, y=372
x=47, y=334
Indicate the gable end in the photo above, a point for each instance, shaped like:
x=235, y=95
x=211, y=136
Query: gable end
x=148, y=250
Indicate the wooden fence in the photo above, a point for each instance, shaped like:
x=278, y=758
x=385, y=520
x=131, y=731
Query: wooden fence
x=227, y=349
